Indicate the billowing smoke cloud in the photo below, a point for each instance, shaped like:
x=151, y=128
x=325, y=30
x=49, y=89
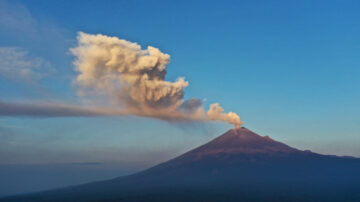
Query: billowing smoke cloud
x=133, y=79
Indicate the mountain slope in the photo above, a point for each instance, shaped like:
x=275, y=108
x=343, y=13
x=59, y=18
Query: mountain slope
x=239, y=165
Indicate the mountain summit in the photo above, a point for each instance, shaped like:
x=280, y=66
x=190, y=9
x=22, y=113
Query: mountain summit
x=243, y=140
x=239, y=165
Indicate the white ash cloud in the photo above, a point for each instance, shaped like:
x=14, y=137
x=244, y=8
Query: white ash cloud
x=133, y=79
x=16, y=64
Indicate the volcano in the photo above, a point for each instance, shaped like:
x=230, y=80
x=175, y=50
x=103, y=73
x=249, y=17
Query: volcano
x=239, y=165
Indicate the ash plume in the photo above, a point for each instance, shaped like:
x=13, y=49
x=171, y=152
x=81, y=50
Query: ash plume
x=127, y=80
x=216, y=113
x=133, y=79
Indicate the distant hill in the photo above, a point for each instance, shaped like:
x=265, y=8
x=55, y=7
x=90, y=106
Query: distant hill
x=237, y=166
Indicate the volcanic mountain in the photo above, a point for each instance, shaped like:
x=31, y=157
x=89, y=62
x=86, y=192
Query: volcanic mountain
x=236, y=166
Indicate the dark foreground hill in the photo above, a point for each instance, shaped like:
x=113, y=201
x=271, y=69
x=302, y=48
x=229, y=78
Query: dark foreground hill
x=237, y=166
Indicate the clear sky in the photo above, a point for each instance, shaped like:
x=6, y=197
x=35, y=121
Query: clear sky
x=290, y=69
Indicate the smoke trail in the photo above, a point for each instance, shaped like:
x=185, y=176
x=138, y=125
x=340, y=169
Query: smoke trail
x=51, y=109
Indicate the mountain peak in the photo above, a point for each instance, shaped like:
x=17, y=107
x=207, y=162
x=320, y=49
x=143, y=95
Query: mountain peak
x=242, y=132
x=242, y=137
x=241, y=141
x=245, y=136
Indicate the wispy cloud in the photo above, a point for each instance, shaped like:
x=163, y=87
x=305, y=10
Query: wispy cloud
x=17, y=64
x=17, y=20
x=16, y=16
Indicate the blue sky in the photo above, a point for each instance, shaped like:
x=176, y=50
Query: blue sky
x=290, y=69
